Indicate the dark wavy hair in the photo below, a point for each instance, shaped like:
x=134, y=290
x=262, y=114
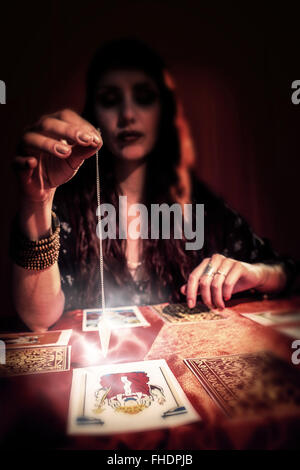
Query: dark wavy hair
x=167, y=181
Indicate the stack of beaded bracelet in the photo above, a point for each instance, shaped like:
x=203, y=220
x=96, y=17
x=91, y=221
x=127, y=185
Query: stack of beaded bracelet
x=35, y=255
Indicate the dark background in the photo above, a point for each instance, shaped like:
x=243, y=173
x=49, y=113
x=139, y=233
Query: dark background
x=233, y=64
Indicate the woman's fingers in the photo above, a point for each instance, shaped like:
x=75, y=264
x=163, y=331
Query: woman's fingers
x=183, y=289
x=24, y=167
x=24, y=163
x=217, y=278
x=193, y=283
x=214, y=285
x=38, y=143
x=64, y=135
x=71, y=133
x=58, y=134
x=218, y=281
x=71, y=117
x=207, y=291
x=231, y=279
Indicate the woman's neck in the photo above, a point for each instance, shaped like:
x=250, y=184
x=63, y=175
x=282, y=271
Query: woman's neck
x=131, y=179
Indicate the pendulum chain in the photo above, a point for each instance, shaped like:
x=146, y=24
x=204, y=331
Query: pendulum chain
x=100, y=232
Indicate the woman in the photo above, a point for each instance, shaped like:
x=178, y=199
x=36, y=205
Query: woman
x=147, y=156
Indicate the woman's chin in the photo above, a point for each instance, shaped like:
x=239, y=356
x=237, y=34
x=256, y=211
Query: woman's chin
x=131, y=154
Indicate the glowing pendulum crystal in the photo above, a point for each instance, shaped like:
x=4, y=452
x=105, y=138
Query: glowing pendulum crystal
x=103, y=324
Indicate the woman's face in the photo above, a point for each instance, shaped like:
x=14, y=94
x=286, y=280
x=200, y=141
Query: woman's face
x=128, y=110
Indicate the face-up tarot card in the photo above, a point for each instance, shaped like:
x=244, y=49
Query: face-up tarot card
x=249, y=384
x=120, y=317
x=27, y=340
x=127, y=397
x=181, y=313
x=37, y=360
x=273, y=318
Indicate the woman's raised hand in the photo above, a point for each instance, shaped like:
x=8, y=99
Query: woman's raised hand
x=52, y=152
x=218, y=277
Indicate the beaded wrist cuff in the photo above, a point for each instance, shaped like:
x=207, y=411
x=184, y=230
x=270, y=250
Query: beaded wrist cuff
x=35, y=255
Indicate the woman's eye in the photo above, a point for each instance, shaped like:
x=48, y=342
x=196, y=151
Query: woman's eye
x=145, y=97
x=108, y=100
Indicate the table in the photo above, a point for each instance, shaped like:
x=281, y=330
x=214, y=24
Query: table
x=34, y=408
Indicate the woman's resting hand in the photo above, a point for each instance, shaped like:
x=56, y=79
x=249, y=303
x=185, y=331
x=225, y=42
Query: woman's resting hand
x=230, y=276
x=52, y=151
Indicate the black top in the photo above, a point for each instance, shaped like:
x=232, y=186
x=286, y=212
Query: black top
x=225, y=232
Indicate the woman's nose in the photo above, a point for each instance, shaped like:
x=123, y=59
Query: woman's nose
x=127, y=113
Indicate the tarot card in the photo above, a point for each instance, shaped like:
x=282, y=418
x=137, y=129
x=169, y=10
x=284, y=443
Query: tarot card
x=249, y=384
x=128, y=397
x=181, y=313
x=31, y=339
x=23, y=361
x=273, y=318
x=120, y=317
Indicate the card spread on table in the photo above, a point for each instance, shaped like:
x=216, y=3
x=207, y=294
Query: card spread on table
x=32, y=339
x=23, y=361
x=273, y=318
x=119, y=398
x=181, y=313
x=120, y=317
x=249, y=384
